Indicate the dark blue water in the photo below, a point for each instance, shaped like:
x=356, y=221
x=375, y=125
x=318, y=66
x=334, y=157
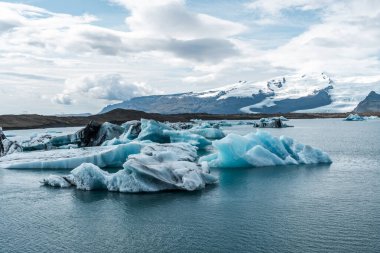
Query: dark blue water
x=332, y=208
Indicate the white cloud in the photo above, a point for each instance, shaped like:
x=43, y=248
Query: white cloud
x=106, y=86
x=168, y=45
x=275, y=7
x=171, y=19
x=346, y=42
x=63, y=99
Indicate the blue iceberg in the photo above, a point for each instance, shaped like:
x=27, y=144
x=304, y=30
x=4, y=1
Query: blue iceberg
x=354, y=117
x=111, y=156
x=262, y=149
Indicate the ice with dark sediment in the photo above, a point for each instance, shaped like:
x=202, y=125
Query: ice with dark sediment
x=158, y=167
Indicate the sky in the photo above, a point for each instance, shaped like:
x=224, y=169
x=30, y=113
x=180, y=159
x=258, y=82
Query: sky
x=76, y=56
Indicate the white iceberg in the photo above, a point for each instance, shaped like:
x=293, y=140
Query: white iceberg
x=262, y=149
x=371, y=117
x=56, y=181
x=275, y=122
x=158, y=167
x=110, y=156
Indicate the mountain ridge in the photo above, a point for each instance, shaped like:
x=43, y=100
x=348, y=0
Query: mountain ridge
x=279, y=95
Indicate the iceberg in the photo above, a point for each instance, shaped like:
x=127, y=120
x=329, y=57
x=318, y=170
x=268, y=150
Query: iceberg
x=262, y=149
x=7, y=146
x=94, y=134
x=109, y=156
x=207, y=130
x=129, y=134
x=371, y=118
x=275, y=122
x=185, y=136
x=354, y=117
x=56, y=181
x=133, y=129
x=158, y=167
x=180, y=125
x=153, y=131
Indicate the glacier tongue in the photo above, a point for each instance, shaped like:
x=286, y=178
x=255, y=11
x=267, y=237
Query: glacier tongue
x=158, y=167
x=262, y=149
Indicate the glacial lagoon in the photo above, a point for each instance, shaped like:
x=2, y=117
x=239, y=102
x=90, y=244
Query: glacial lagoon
x=298, y=208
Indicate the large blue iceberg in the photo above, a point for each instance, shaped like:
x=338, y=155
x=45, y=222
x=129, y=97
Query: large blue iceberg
x=262, y=149
x=158, y=167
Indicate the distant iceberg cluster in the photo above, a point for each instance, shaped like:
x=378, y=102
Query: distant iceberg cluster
x=154, y=156
x=357, y=117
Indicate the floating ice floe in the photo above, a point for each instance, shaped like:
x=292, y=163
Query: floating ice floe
x=262, y=149
x=354, y=117
x=110, y=156
x=276, y=122
x=371, y=117
x=158, y=167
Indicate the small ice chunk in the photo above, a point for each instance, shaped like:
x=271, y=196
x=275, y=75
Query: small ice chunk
x=56, y=181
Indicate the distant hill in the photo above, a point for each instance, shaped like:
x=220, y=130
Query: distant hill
x=119, y=116
x=370, y=104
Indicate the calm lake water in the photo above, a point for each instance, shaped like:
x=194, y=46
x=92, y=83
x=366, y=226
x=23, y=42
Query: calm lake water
x=332, y=208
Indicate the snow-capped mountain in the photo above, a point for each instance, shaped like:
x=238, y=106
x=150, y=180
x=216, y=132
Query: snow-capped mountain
x=301, y=93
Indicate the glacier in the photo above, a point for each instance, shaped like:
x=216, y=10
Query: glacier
x=262, y=149
x=158, y=167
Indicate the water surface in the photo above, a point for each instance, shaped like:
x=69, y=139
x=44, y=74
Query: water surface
x=333, y=208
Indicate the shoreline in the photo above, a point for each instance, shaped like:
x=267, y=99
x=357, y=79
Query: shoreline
x=119, y=116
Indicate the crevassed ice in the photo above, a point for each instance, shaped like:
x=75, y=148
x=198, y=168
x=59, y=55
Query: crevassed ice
x=158, y=167
x=262, y=149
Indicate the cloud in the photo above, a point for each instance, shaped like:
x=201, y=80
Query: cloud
x=345, y=42
x=164, y=26
x=169, y=44
x=112, y=87
x=171, y=19
x=62, y=99
x=275, y=7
